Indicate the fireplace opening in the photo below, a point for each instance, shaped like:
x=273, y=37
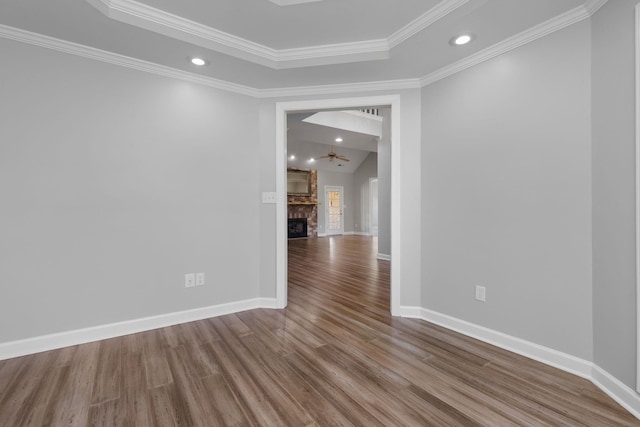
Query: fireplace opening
x=297, y=227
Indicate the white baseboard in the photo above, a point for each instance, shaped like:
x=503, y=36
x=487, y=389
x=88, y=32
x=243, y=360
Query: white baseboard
x=618, y=391
x=543, y=354
x=410, y=312
x=96, y=333
x=346, y=233
x=621, y=393
x=384, y=257
x=267, y=303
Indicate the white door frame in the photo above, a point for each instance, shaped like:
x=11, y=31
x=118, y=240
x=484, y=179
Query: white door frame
x=326, y=209
x=371, y=229
x=282, y=108
x=637, y=37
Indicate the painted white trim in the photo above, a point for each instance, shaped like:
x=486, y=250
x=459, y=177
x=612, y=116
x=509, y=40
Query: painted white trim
x=338, y=89
x=396, y=202
x=282, y=108
x=592, y=6
x=291, y=2
x=383, y=257
x=527, y=36
x=534, y=33
x=342, y=53
x=96, y=333
x=606, y=382
x=149, y=18
x=267, y=303
x=120, y=60
x=159, y=21
x=543, y=354
x=637, y=113
x=621, y=393
x=356, y=233
x=411, y=312
x=282, y=244
x=422, y=22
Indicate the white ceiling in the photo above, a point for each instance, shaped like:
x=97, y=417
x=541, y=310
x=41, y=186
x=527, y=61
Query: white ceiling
x=272, y=44
x=308, y=140
x=303, y=151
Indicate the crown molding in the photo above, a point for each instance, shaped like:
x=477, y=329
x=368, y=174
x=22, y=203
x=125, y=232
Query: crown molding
x=592, y=6
x=64, y=46
x=534, y=33
x=291, y=2
x=161, y=22
x=441, y=10
x=167, y=24
x=555, y=24
x=120, y=60
x=340, y=88
x=340, y=53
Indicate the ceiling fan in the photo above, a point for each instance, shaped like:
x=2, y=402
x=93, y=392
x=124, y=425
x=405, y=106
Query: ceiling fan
x=332, y=155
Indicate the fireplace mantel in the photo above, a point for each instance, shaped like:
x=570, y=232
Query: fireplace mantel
x=306, y=206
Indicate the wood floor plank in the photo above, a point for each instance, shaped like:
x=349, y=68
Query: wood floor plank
x=9, y=369
x=72, y=403
x=305, y=395
x=333, y=357
x=134, y=404
x=226, y=408
x=252, y=398
x=155, y=360
x=283, y=403
x=341, y=400
x=165, y=409
x=189, y=394
x=107, y=384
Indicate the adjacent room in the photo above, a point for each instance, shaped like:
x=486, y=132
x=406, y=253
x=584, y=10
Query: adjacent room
x=319, y=212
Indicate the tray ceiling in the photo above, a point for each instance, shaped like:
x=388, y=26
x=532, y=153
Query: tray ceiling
x=273, y=44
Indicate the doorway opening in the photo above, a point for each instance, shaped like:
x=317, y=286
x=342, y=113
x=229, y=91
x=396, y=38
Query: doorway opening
x=283, y=109
x=334, y=215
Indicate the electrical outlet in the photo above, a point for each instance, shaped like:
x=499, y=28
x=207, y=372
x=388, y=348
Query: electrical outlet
x=199, y=279
x=268, y=197
x=481, y=293
x=189, y=280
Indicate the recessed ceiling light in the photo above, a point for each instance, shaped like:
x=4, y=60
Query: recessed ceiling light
x=292, y=157
x=338, y=139
x=461, y=40
x=198, y=61
x=311, y=160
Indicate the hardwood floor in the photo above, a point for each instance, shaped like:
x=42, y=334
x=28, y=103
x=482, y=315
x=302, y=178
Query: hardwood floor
x=333, y=357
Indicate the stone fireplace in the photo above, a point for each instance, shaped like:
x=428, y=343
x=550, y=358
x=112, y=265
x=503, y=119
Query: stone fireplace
x=297, y=227
x=305, y=206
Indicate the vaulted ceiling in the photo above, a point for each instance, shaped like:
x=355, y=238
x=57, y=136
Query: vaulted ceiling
x=264, y=45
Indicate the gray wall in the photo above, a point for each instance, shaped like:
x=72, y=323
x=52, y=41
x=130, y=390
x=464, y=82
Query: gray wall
x=367, y=169
x=112, y=182
x=613, y=149
x=384, y=185
x=506, y=194
x=115, y=183
x=344, y=180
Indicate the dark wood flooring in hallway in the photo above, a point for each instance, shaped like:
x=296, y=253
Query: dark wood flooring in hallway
x=334, y=356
